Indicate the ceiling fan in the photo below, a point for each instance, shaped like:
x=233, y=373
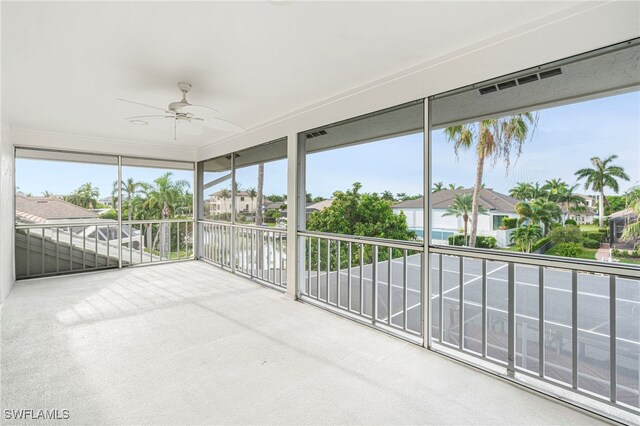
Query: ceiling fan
x=185, y=115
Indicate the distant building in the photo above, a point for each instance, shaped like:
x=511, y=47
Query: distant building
x=319, y=206
x=498, y=206
x=218, y=204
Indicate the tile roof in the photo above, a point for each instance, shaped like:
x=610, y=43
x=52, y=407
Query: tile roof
x=42, y=209
x=489, y=199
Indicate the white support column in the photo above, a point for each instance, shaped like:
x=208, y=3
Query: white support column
x=296, y=218
x=426, y=216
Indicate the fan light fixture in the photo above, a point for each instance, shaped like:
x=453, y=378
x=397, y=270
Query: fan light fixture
x=184, y=116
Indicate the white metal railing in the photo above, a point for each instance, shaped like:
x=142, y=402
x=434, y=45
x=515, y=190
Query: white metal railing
x=372, y=280
x=57, y=248
x=257, y=252
x=571, y=324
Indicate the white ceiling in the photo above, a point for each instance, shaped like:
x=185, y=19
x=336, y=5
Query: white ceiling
x=63, y=64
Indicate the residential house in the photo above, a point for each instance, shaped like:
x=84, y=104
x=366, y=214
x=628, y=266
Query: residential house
x=498, y=207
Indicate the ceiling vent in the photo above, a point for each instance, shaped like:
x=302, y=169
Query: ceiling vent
x=507, y=84
x=312, y=135
x=551, y=73
x=520, y=81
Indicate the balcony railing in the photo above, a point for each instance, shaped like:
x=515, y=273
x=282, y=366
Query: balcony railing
x=571, y=324
x=257, y=252
x=51, y=249
x=375, y=281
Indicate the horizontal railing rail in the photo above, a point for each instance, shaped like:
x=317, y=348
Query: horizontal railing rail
x=373, y=280
x=399, y=244
x=583, y=265
x=258, y=252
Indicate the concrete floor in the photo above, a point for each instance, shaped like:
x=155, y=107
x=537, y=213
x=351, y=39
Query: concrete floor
x=188, y=343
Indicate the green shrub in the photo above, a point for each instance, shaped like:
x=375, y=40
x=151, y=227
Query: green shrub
x=111, y=214
x=481, y=241
x=509, y=222
x=566, y=234
x=456, y=240
x=598, y=236
x=568, y=249
x=590, y=243
x=540, y=243
x=570, y=222
x=486, y=242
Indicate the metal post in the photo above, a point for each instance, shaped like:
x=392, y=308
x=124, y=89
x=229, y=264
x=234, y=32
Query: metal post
x=574, y=329
x=374, y=285
x=389, y=279
x=120, y=212
x=511, y=312
x=612, y=339
x=440, y=298
x=296, y=213
x=405, y=289
x=484, y=307
x=541, y=332
x=338, y=267
x=349, y=295
x=232, y=243
x=328, y=268
x=461, y=303
x=426, y=226
x=198, y=209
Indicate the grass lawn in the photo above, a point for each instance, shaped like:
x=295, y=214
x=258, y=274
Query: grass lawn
x=586, y=253
x=631, y=261
x=589, y=228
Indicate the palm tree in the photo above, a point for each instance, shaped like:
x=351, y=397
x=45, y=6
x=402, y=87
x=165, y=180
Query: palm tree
x=438, y=186
x=539, y=211
x=252, y=194
x=85, y=196
x=632, y=231
x=494, y=139
x=525, y=236
x=462, y=207
x=574, y=202
x=47, y=194
x=554, y=188
x=225, y=194
x=130, y=188
x=453, y=186
x=601, y=176
x=522, y=191
x=165, y=195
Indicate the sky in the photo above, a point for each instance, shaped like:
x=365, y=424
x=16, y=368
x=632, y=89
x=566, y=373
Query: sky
x=564, y=141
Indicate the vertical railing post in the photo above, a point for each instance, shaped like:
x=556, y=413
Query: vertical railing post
x=612, y=339
x=574, y=329
x=461, y=304
x=374, y=285
x=232, y=240
x=120, y=211
x=541, y=332
x=511, y=312
x=484, y=307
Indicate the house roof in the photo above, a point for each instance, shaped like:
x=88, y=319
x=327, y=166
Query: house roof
x=43, y=209
x=320, y=205
x=489, y=199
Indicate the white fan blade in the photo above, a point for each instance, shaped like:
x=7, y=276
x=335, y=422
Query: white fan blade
x=215, y=111
x=224, y=125
x=141, y=104
x=147, y=116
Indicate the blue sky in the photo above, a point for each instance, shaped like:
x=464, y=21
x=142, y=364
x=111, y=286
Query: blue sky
x=566, y=138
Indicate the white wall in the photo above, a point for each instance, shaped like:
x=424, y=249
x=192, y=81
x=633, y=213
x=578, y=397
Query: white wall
x=6, y=211
x=579, y=29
